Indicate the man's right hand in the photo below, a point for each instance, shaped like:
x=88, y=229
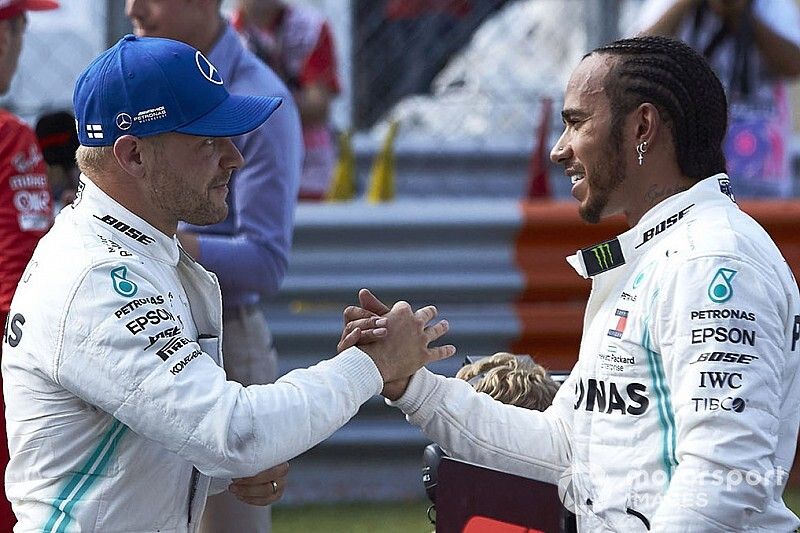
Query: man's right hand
x=402, y=353
x=404, y=349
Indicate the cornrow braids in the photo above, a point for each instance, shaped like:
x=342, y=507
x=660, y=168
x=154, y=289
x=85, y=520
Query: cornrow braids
x=679, y=82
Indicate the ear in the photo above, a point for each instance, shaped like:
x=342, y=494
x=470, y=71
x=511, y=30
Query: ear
x=128, y=154
x=647, y=123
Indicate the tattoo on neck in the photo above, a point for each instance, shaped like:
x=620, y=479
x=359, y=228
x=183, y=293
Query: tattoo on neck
x=659, y=192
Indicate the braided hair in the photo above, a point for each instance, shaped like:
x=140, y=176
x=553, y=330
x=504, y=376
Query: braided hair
x=679, y=82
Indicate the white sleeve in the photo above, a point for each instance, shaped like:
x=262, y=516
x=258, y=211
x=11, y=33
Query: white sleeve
x=473, y=426
x=720, y=330
x=174, y=393
x=783, y=16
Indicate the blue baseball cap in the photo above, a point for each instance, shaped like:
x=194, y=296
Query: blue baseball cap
x=145, y=86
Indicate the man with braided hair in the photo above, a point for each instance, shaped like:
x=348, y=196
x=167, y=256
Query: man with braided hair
x=681, y=412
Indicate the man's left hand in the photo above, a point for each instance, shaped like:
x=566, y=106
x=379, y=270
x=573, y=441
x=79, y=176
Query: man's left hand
x=262, y=489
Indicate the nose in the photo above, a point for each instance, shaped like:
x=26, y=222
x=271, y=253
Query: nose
x=561, y=151
x=231, y=156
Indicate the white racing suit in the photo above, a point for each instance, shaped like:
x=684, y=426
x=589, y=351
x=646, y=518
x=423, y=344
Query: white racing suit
x=119, y=414
x=681, y=413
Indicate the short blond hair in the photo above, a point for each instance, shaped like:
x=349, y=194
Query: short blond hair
x=512, y=379
x=93, y=160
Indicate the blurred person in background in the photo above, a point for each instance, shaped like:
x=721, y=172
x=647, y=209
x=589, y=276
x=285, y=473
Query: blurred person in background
x=25, y=202
x=59, y=141
x=511, y=379
x=297, y=42
x=249, y=250
x=754, y=46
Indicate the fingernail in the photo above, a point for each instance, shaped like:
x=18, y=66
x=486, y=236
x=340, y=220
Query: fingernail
x=381, y=322
x=380, y=332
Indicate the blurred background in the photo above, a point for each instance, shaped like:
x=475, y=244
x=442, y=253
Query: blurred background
x=447, y=196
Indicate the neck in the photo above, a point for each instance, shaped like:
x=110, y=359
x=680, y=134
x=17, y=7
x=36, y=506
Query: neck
x=124, y=192
x=651, y=194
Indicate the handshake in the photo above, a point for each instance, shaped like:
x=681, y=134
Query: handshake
x=396, y=339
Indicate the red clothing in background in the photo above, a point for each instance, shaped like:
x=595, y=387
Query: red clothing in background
x=26, y=209
x=26, y=213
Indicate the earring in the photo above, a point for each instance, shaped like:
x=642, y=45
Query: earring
x=641, y=149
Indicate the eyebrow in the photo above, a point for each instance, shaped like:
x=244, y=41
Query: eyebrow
x=573, y=114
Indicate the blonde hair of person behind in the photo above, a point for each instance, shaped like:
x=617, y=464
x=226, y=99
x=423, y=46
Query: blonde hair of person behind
x=512, y=379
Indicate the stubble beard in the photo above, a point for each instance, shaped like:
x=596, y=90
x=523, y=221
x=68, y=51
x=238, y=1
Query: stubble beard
x=608, y=177
x=173, y=194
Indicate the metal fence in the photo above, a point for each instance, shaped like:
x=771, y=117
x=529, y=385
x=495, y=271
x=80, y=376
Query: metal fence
x=459, y=256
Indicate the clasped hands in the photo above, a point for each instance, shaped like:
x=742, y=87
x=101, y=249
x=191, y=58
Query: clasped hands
x=397, y=339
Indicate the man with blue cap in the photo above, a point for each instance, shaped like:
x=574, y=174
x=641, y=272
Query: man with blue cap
x=120, y=417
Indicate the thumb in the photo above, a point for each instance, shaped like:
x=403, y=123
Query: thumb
x=370, y=302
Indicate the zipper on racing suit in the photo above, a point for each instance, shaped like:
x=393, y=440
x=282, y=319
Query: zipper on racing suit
x=192, y=491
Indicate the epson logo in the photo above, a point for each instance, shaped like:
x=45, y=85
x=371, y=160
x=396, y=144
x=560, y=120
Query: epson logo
x=721, y=380
x=172, y=347
x=725, y=357
x=151, y=318
x=597, y=395
x=722, y=334
x=126, y=229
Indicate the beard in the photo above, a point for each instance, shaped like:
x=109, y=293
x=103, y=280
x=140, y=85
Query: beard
x=607, y=177
x=176, y=193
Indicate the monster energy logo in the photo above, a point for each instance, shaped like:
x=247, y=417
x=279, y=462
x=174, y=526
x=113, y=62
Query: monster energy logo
x=602, y=252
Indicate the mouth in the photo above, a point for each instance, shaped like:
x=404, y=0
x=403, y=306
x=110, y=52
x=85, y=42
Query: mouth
x=575, y=174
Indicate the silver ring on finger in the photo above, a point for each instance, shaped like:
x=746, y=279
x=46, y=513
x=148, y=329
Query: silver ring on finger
x=274, y=487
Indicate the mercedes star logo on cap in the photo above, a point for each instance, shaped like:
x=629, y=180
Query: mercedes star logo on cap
x=208, y=70
x=124, y=121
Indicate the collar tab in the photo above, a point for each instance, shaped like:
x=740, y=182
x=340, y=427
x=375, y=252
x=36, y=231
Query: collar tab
x=603, y=257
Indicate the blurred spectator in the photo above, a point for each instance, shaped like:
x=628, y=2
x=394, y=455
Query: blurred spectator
x=249, y=250
x=297, y=42
x=25, y=203
x=754, y=46
x=59, y=141
x=512, y=379
x=508, y=378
